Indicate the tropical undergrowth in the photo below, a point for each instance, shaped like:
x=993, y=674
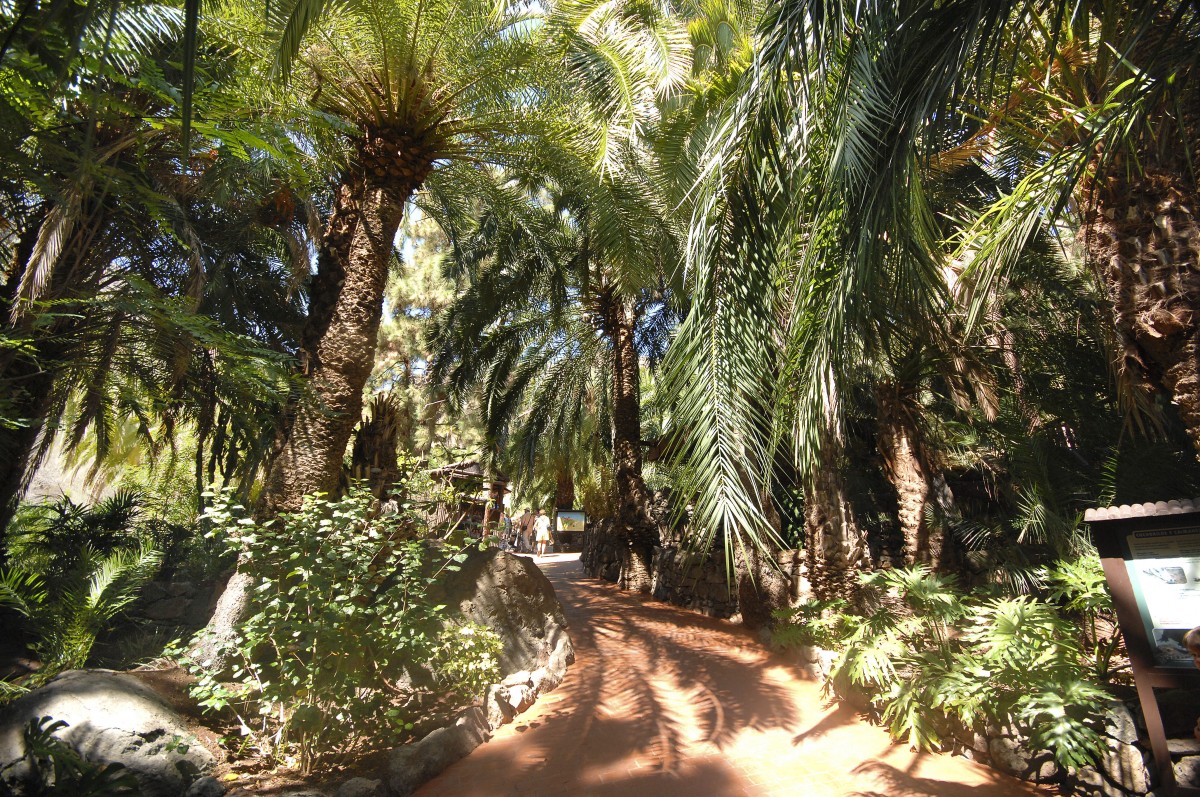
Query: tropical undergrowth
x=74, y=569
x=342, y=649
x=938, y=664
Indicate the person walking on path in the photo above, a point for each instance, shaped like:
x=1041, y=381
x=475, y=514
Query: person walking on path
x=542, y=526
x=525, y=532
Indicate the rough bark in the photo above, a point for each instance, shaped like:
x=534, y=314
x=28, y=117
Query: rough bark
x=495, y=505
x=835, y=547
x=373, y=457
x=338, y=340
x=564, y=489
x=762, y=586
x=908, y=471
x=1143, y=237
x=633, y=518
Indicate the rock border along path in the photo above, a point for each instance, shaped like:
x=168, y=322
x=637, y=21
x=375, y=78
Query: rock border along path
x=664, y=702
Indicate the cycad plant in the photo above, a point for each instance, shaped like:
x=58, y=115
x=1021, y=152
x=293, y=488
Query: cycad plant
x=66, y=615
x=398, y=93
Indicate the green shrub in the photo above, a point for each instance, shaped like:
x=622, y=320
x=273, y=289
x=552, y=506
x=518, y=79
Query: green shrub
x=335, y=652
x=815, y=622
x=1080, y=588
x=928, y=657
x=70, y=608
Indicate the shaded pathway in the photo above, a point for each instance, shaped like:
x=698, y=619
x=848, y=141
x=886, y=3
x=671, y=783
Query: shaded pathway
x=665, y=702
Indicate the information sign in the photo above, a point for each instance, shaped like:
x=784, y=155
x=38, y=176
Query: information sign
x=1164, y=568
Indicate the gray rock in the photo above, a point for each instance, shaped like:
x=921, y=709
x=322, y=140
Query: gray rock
x=520, y=698
x=1183, y=747
x=519, y=678
x=1124, y=766
x=510, y=595
x=361, y=787
x=412, y=765
x=167, y=609
x=498, y=707
x=1008, y=754
x=207, y=786
x=1187, y=771
x=180, y=589
x=111, y=718
x=1118, y=723
x=154, y=591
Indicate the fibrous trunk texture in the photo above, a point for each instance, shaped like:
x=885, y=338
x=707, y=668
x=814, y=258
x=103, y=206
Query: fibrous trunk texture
x=762, y=586
x=907, y=469
x=835, y=546
x=339, y=341
x=633, y=519
x=564, y=489
x=1143, y=236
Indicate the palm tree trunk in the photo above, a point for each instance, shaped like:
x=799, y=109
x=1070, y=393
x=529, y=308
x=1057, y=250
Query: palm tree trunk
x=338, y=341
x=761, y=585
x=633, y=519
x=338, y=353
x=835, y=547
x=564, y=488
x=1142, y=236
x=907, y=470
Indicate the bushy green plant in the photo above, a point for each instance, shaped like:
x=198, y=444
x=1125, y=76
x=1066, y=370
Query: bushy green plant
x=814, y=622
x=925, y=654
x=1079, y=586
x=341, y=634
x=68, y=610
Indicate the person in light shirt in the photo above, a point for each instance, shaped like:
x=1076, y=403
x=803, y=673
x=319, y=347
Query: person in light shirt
x=542, y=528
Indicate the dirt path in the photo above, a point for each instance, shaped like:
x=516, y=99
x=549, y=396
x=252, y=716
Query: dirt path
x=664, y=702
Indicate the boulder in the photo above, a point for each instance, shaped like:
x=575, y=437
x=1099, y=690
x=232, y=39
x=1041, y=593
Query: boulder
x=511, y=596
x=111, y=718
x=410, y=766
x=1009, y=754
x=207, y=786
x=361, y=787
x=1187, y=771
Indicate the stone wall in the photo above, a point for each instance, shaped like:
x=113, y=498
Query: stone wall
x=681, y=577
x=176, y=604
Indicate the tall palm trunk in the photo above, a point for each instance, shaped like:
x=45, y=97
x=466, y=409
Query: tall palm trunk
x=1143, y=236
x=633, y=519
x=835, y=546
x=908, y=470
x=564, y=488
x=338, y=350
x=338, y=341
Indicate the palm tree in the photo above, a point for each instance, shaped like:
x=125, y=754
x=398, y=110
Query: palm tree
x=117, y=273
x=554, y=328
x=851, y=112
x=411, y=88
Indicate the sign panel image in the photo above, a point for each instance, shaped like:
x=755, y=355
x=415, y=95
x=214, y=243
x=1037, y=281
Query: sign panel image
x=571, y=521
x=1164, y=568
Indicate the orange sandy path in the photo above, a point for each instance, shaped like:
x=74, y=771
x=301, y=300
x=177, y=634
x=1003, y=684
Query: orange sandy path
x=663, y=702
